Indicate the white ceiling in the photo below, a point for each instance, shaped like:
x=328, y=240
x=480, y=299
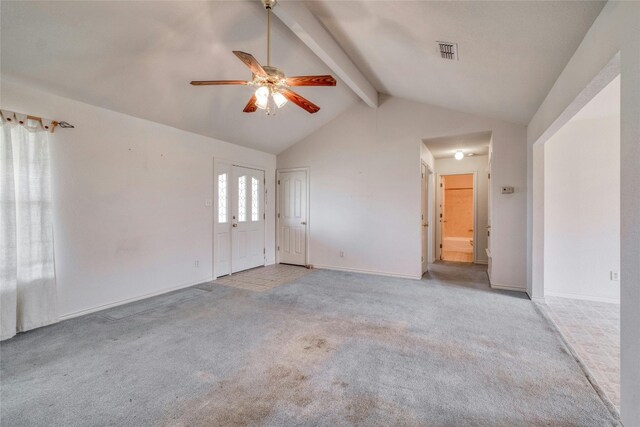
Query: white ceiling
x=511, y=52
x=471, y=143
x=139, y=57
x=604, y=105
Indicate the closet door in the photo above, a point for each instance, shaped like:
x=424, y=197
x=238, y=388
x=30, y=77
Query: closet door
x=292, y=217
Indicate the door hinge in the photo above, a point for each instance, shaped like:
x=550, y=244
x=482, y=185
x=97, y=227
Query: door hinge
x=278, y=182
x=278, y=248
x=489, y=176
x=440, y=215
x=440, y=184
x=264, y=250
x=421, y=216
x=264, y=216
x=421, y=259
x=278, y=214
x=440, y=245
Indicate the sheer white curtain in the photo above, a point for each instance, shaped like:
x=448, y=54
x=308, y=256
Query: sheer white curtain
x=28, y=296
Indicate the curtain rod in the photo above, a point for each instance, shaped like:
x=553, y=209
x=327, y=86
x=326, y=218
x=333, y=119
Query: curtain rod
x=43, y=122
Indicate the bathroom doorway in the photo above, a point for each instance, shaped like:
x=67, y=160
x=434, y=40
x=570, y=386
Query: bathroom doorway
x=457, y=217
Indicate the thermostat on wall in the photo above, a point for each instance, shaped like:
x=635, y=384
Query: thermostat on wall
x=507, y=190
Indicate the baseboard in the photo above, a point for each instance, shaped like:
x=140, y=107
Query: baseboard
x=128, y=300
x=482, y=262
x=581, y=297
x=539, y=300
x=376, y=273
x=508, y=287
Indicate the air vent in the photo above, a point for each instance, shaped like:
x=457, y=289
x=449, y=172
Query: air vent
x=448, y=50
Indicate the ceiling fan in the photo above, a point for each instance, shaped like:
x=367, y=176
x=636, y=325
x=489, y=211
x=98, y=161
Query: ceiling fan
x=272, y=86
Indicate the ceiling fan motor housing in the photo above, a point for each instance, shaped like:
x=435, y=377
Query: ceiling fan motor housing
x=269, y=4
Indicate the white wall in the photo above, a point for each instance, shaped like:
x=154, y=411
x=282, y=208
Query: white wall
x=612, y=41
x=365, y=187
x=129, y=201
x=479, y=165
x=582, y=210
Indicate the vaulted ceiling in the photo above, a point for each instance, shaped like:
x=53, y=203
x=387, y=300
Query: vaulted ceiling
x=138, y=57
x=511, y=52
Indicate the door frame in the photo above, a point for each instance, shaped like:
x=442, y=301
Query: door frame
x=214, y=210
x=307, y=231
x=439, y=192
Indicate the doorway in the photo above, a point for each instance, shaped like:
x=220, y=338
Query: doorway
x=292, y=216
x=457, y=217
x=239, y=219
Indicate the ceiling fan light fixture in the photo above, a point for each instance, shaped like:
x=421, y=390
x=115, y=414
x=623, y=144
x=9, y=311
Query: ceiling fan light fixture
x=279, y=99
x=272, y=87
x=459, y=155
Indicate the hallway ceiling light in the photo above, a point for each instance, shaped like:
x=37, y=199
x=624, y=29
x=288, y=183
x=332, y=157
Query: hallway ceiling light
x=459, y=155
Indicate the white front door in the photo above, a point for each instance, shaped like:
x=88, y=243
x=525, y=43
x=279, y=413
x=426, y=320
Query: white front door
x=239, y=219
x=247, y=218
x=292, y=217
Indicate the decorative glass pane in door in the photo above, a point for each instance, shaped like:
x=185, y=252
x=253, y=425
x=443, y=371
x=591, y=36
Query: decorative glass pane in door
x=242, y=199
x=255, y=199
x=222, y=198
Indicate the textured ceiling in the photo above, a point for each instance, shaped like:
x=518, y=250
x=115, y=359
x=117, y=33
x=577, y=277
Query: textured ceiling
x=138, y=58
x=510, y=52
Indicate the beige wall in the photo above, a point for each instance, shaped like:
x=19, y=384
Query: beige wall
x=458, y=206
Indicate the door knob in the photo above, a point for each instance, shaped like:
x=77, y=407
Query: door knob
x=303, y=223
x=234, y=225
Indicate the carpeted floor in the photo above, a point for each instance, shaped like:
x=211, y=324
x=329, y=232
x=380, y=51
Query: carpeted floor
x=331, y=348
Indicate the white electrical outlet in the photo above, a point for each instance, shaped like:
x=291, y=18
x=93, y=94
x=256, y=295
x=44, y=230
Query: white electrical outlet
x=208, y=203
x=196, y=263
x=341, y=254
x=615, y=276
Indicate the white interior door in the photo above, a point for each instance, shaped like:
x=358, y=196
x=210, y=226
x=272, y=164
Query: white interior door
x=247, y=218
x=292, y=217
x=425, y=218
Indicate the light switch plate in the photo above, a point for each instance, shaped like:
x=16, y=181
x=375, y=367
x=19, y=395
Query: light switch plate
x=208, y=203
x=507, y=189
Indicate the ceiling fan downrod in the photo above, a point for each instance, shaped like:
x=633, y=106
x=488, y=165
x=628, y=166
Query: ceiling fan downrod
x=268, y=5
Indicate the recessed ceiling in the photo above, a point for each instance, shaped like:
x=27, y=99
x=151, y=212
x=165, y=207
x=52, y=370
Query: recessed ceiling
x=472, y=143
x=510, y=52
x=139, y=57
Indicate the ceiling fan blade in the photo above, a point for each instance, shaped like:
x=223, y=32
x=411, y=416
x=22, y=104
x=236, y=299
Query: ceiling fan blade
x=251, y=105
x=218, y=82
x=251, y=62
x=311, y=81
x=300, y=101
